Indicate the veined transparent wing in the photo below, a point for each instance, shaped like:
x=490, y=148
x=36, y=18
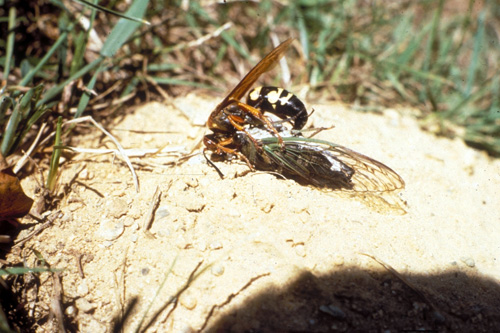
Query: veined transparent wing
x=323, y=164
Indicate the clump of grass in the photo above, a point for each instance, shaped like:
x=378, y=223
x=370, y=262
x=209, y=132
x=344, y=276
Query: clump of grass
x=22, y=107
x=423, y=54
x=371, y=54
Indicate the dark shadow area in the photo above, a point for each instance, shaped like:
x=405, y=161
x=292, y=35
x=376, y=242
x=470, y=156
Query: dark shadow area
x=12, y=301
x=370, y=301
x=120, y=319
x=10, y=229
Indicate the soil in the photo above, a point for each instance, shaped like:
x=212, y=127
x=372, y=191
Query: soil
x=254, y=252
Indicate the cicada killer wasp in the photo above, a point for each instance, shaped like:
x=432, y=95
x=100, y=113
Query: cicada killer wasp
x=233, y=115
x=264, y=143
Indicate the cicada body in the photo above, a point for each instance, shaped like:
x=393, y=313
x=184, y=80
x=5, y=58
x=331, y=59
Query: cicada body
x=318, y=162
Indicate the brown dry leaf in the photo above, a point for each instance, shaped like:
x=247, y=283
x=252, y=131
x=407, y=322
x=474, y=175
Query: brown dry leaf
x=13, y=202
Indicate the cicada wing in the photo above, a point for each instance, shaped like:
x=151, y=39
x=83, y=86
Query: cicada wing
x=309, y=164
x=326, y=164
x=370, y=175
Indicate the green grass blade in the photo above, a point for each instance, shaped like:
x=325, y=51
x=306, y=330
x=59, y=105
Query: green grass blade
x=478, y=46
x=178, y=82
x=124, y=28
x=430, y=47
x=4, y=323
x=109, y=11
x=143, y=318
x=84, y=100
x=5, y=103
x=62, y=39
x=52, y=92
x=80, y=48
x=10, y=43
x=10, y=131
x=15, y=124
x=54, y=161
x=24, y=115
x=24, y=270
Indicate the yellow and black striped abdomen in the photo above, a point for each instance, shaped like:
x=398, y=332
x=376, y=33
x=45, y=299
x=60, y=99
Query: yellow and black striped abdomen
x=281, y=103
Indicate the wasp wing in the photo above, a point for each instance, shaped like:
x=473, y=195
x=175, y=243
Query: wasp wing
x=327, y=164
x=266, y=64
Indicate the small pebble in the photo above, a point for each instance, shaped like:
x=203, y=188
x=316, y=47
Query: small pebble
x=84, y=174
x=74, y=206
x=217, y=270
x=163, y=233
x=182, y=242
x=85, y=306
x=193, y=182
x=70, y=310
x=116, y=207
x=333, y=310
x=232, y=212
x=196, y=160
x=256, y=237
x=110, y=230
x=107, y=244
x=194, y=206
x=300, y=250
x=468, y=261
x=438, y=318
x=83, y=288
x=128, y=221
x=338, y=260
x=67, y=217
x=188, y=301
x=161, y=212
x=200, y=245
x=215, y=246
x=378, y=315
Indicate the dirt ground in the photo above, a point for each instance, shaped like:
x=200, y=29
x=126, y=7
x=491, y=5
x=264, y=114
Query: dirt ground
x=253, y=252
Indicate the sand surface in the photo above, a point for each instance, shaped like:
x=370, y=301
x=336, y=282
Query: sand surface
x=268, y=254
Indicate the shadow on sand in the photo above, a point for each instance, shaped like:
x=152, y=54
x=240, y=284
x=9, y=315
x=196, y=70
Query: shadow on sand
x=359, y=300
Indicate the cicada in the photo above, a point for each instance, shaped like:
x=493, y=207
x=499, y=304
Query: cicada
x=317, y=162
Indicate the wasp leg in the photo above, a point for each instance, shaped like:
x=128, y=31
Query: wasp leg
x=236, y=121
x=257, y=114
x=319, y=129
x=220, y=148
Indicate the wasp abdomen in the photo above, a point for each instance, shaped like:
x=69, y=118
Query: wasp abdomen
x=279, y=102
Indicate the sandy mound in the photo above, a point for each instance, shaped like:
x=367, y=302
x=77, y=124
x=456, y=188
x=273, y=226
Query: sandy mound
x=273, y=255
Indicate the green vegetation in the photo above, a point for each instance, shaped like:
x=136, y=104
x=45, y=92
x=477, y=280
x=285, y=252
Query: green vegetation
x=432, y=55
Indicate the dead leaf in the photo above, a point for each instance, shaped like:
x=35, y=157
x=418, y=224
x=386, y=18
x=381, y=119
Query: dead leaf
x=13, y=202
